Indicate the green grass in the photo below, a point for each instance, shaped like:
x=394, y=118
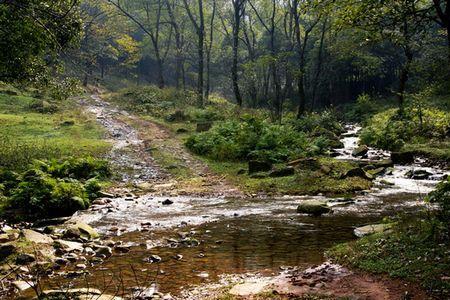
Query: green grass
x=26, y=135
x=437, y=150
x=409, y=252
x=304, y=182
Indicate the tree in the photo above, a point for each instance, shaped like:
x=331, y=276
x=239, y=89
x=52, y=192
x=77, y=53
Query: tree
x=33, y=34
x=199, y=24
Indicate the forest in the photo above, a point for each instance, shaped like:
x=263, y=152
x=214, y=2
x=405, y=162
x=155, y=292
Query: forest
x=224, y=149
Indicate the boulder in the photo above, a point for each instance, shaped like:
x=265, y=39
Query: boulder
x=377, y=171
x=259, y=175
x=105, y=195
x=357, y=172
x=305, y=163
x=80, y=294
x=360, y=151
x=313, y=207
x=103, y=251
x=35, y=237
x=21, y=285
x=80, y=229
x=402, y=158
x=25, y=259
x=204, y=126
x=68, y=246
x=6, y=250
x=4, y=238
x=255, y=166
x=282, y=172
x=371, y=229
x=418, y=174
x=167, y=202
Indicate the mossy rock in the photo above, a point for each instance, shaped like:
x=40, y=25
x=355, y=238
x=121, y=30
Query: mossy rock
x=313, y=207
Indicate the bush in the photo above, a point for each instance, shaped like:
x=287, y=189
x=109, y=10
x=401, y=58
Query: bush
x=77, y=168
x=54, y=188
x=253, y=138
x=153, y=100
x=387, y=130
x=441, y=196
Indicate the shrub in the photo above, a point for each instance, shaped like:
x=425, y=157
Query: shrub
x=389, y=131
x=39, y=194
x=54, y=188
x=253, y=138
x=78, y=168
x=441, y=196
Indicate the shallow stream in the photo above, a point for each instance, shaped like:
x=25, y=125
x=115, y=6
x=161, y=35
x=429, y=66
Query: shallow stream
x=237, y=236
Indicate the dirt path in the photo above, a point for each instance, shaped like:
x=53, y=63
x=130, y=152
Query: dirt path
x=135, y=142
x=326, y=281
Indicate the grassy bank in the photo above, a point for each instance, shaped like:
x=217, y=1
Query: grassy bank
x=416, y=250
x=423, y=129
x=34, y=128
x=49, y=155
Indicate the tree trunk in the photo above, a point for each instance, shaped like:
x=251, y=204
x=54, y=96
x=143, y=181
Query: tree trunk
x=404, y=75
x=237, y=5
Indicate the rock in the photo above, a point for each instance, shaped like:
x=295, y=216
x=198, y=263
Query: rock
x=6, y=250
x=241, y=171
x=385, y=182
x=305, y=163
x=177, y=116
x=72, y=233
x=153, y=259
x=80, y=294
x=25, y=259
x=167, y=202
x=102, y=194
x=313, y=207
x=377, y=171
x=85, y=230
x=51, y=222
x=4, y=238
x=61, y=261
x=99, y=202
x=68, y=246
x=402, y=157
x=360, y=151
x=36, y=237
x=259, y=175
x=255, y=166
x=81, y=266
x=103, y=251
x=22, y=285
x=357, y=172
x=204, y=126
x=72, y=257
x=122, y=249
x=371, y=229
x=178, y=257
x=249, y=289
x=418, y=174
x=182, y=130
x=288, y=171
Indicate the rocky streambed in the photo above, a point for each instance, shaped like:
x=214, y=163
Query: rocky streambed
x=185, y=247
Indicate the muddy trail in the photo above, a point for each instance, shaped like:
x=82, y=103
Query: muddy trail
x=174, y=243
x=134, y=139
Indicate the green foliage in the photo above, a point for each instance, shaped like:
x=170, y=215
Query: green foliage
x=441, y=196
x=32, y=34
x=153, y=100
x=387, y=130
x=253, y=138
x=54, y=188
x=29, y=131
x=364, y=107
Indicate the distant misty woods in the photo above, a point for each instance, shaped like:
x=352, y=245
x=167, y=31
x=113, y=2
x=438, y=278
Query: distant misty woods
x=284, y=55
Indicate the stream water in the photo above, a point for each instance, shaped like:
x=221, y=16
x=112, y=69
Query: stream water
x=199, y=239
